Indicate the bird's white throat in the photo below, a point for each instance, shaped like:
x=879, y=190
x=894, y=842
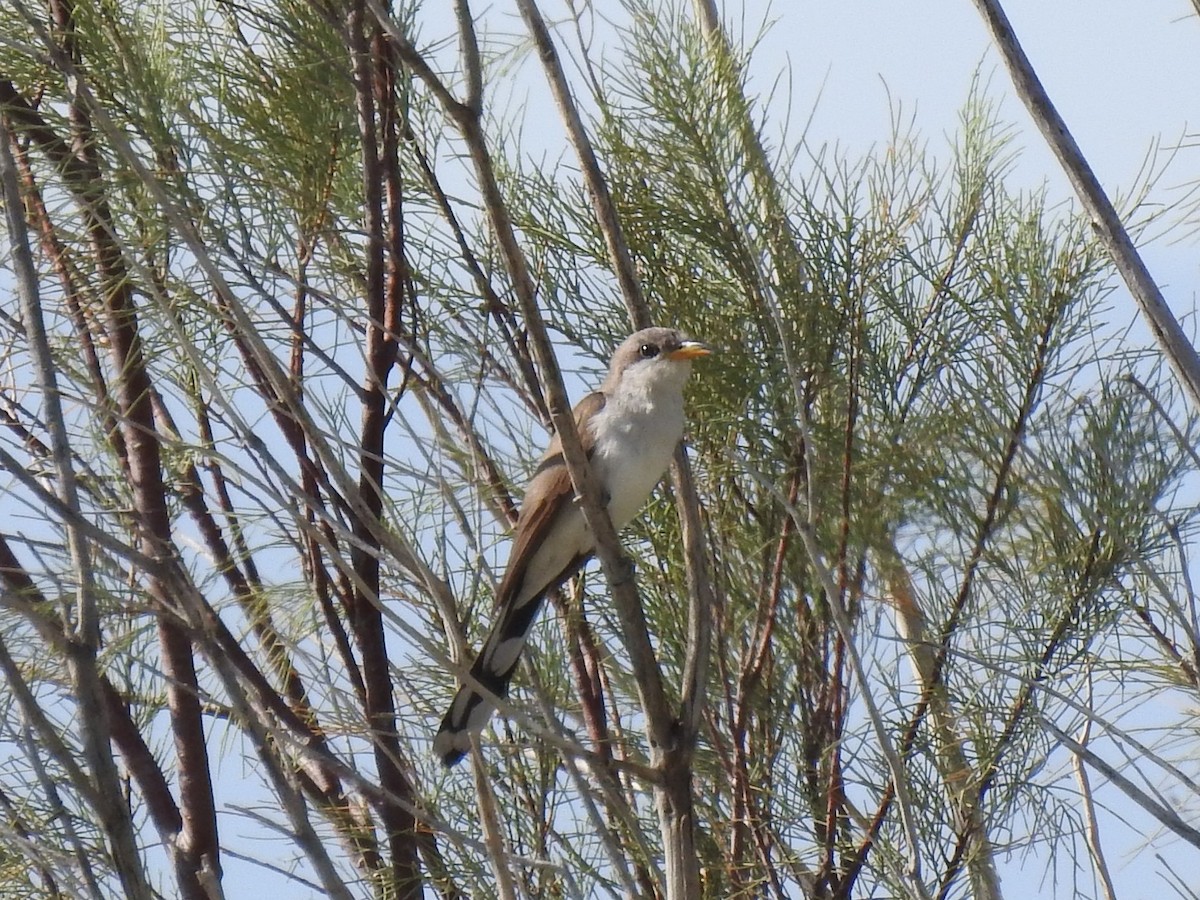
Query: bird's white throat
x=636, y=434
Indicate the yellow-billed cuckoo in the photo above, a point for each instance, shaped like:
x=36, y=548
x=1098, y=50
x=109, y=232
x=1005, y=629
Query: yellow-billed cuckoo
x=629, y=429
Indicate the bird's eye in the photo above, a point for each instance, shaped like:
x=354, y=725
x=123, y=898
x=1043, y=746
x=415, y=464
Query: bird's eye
x=648, y=351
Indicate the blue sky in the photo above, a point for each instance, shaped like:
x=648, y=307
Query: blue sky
x=1124, y=74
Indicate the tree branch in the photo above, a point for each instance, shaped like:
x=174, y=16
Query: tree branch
x=1180, y=352
x=84, y=634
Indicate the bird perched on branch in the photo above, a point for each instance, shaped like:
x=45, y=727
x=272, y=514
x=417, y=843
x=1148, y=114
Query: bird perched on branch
x=629, y=429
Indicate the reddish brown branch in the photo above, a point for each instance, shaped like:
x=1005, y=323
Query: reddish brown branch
x=197, y=846
x=384, y=293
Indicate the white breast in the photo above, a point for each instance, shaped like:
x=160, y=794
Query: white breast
x=633, y=449
x=628, y=460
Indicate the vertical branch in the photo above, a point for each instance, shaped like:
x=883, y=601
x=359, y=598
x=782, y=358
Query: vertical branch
x=1091, y=831
x=757, y=659
x=675, y=802
x=602, y=201
x=197, y=845
x=374, y=90
x=73, y=294
x=493, y=838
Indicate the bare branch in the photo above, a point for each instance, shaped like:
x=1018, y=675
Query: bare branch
x=1180, y=352
x=602, y=201
x=1091, y=823
x=1169, y=818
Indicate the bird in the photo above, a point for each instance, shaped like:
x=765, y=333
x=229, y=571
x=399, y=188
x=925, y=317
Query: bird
x=629, y=429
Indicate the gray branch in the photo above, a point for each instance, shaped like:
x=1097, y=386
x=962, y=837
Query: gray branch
x=1167, y=330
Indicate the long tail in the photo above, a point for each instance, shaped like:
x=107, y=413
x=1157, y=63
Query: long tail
x=493, y=670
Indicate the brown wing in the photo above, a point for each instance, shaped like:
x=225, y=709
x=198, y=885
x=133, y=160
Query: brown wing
x=497, y=660
x=551, y=481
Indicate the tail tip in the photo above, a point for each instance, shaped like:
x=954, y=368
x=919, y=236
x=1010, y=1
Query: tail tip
x=451, y=745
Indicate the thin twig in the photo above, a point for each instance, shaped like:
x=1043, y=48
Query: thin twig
x=597, y=185
x=1091, y=831
x=490, y=822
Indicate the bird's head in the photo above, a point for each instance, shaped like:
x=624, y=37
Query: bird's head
x=654, y=359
